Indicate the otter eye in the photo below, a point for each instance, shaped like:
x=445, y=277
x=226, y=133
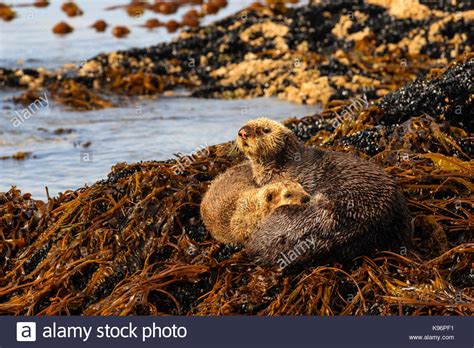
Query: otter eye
x=288, y=195
x=266, y=130
x=269, y=197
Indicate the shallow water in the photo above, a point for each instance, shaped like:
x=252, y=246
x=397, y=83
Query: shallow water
x=144, y=129
x=28, y=39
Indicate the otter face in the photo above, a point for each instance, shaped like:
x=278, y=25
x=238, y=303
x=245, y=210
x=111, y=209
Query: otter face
x=261, y=138
x=284, y=193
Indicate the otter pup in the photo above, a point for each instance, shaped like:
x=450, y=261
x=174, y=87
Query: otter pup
x=220, y=200
x=255, y=204
x=362, y=211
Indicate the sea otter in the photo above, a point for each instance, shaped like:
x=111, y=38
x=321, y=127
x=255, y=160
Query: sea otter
x=255, y=204
x=220, y=200
x=362, y=211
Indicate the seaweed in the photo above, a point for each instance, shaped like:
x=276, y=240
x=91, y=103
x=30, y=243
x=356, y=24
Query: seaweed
x=134, y=243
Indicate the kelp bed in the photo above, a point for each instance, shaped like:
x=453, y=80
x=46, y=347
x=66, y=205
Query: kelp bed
x=134, y=243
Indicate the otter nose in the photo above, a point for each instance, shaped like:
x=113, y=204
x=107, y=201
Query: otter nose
x=244, y=132
x=305, y=199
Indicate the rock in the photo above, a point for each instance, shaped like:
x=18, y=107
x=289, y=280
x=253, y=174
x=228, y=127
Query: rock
x=167, y=7
x=191, y=18
x=41, y=3
x=152, y=23
x=6, y=13
x=62, y=28
x=210, y=8
x=71, y=9
x=99, y=25
x=120, y=31
x=172, y=26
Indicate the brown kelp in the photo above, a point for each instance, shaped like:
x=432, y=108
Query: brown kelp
x=134, y=243
x=315, y=53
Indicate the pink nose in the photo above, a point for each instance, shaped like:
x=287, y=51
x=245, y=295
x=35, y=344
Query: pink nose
x=243, y=134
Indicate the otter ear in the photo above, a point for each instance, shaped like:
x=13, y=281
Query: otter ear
x=269, y=196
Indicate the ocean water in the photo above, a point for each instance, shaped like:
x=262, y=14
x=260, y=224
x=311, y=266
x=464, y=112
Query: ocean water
x=28, y=39
x=70, y=148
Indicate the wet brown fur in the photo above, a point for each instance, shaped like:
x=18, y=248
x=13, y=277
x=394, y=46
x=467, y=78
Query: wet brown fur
x=255, y=204
x=220, y=201
x=363, y=210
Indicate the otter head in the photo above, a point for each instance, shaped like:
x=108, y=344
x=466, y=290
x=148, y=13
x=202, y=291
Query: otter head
x=262, y=138
x=284, y=193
